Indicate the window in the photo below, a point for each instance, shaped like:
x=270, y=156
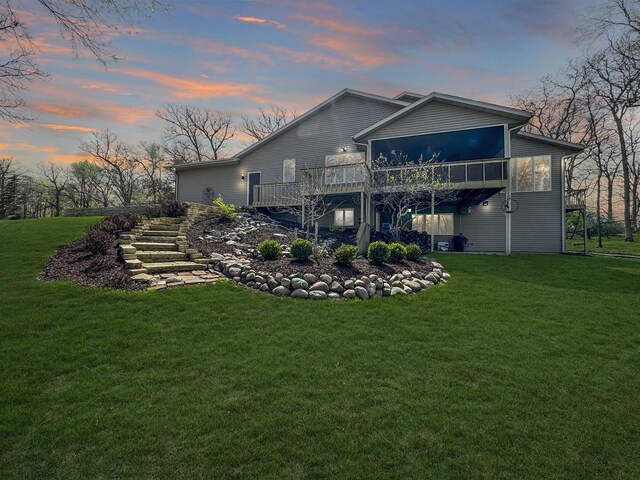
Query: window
x=344, y=217
x=443, y=223
x=472, y=144
x=531, y=174
x=346, y=171
x=289, y=170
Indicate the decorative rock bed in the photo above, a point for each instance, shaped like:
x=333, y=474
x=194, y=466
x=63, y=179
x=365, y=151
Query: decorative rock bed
x=321, y=287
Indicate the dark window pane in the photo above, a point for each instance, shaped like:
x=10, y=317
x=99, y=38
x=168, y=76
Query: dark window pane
x=493, y=171
x=473, y=144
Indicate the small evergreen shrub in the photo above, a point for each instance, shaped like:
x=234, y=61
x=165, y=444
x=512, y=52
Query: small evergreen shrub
x=116, y=224
x=98, y=241
x=336, y=228
x=378, y=252
x=301, y=249
x=397, y=252
x=345, y=254
x=270, y=249
x=413, y=252
x=227, y=210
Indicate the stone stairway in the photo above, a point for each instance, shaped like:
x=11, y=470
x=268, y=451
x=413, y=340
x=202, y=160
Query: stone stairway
x=159, y=245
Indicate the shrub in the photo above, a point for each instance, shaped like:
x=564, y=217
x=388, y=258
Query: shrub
x=116, y=224
x=345, y=254
x=227, y=211
x=397, y=252
x=98, y=241
x=378, y=252
x=413, y=252
x=336, y=228
x=270, y=249
x=301, y=249
x=172, y=208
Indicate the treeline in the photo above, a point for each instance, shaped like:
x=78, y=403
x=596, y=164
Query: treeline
x=116, y=173
x=595, y=101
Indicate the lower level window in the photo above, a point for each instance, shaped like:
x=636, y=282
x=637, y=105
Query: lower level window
x=344, y=217
x=442, y=223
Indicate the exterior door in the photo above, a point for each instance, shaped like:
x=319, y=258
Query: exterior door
x=253, y=179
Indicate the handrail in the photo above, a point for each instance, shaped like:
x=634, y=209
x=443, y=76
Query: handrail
x=576, y=198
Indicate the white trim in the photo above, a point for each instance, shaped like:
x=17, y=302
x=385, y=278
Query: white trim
x=249, y=183
x=564, y=205
x=283, y=170
x=314, y=110
x=452, y=99
x=417, y=96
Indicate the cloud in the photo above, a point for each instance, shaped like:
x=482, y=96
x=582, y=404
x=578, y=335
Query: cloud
x=28, y=147
x=262, y=21
x=302, y=56
x=67, y=158
x=67, y=128
x=196, y=88
x=221, y=49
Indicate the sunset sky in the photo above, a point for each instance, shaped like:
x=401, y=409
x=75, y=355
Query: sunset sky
x=235, y=56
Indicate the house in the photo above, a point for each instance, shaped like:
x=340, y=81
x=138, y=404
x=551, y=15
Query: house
x=506, y=188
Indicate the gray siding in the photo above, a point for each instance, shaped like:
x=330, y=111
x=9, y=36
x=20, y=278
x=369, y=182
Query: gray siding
x=484, y=227
x=322, y=134
x=537, y=224
x=438, y=116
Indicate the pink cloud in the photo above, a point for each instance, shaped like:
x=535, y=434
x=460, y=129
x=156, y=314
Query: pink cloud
x=193, y=88
x=261, y=21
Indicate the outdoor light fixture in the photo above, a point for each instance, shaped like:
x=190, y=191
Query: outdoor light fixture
x=485, y=204
x=242, y=176
x=344, y=149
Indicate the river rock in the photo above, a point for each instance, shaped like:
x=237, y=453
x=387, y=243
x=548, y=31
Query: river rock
x=281, y=291
x=300, y=293
x=317, y=295
x=362, y=293
x=298, y=283
x=319, y=286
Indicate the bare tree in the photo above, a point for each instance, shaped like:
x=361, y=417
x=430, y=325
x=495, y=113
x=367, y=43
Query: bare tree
x=85, y=24
x=83, y=177
x=633, y=141
x=399, y=184
x=195, y=134
x=9, y=175
x=119, y=163
x=152, y=162
x=266, y=122
x=613, y=77
x=55, y=178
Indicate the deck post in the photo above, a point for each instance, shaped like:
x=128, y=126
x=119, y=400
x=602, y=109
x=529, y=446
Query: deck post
x=507, y=216
x=584, y=221
x=433, y=214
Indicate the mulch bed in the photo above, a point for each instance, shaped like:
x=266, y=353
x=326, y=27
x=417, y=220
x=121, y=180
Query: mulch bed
x=74, y=263
x=207, y=247
x=327, y=265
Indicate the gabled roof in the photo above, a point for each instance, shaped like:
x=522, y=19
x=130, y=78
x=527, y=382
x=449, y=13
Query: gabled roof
x=208, y=163
x=408, y=96
x=576, y=147
x=316, y=109
x=518, y=115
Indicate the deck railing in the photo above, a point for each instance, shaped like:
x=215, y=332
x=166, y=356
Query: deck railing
x=575, y=199
x=454, y=175
x=357, y=177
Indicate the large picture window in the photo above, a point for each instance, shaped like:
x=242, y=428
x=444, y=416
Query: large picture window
x=460, y=145
x=344, y=217
x=531, y=174
x=345, y=168
x=443, y=223
x=289, y=170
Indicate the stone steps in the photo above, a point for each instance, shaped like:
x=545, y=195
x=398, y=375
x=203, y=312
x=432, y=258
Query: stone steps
x=160, y=233
x=155, y=246
x=156, y=239
x=159, y=255
x=164, y=267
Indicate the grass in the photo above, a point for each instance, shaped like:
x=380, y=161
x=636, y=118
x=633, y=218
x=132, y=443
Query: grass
x=613, y=244
x=520, y=367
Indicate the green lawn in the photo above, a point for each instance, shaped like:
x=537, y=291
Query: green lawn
x=521, y=367
x=613, y=244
